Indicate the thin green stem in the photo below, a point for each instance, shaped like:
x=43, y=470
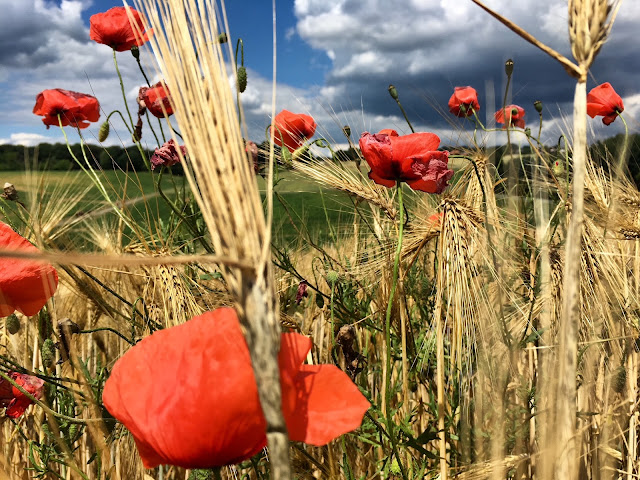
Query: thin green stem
x=124, y=95
x=387, y=329
x=108, y=329
x=405, y=116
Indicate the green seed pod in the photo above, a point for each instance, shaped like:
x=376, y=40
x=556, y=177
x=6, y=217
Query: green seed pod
x=135, y=51
x=48, y=353
x=319, y=300
x=347, y=131
x=538, y=106
x=393, y=92
x=242, y=79
x=619, y=379
x=508, y=67
x=223, y=38
x=13, y=324
x=103, y=133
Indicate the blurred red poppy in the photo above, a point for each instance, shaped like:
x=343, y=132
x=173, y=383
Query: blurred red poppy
x=514, y=113
x=603, y=100
x=292, y=129
x=13, y=399
x=25, y=285
x=113, y=28
x=75, y=109
x=464, y=102
x=155, y=99
x=413, y=158
x=189, y=397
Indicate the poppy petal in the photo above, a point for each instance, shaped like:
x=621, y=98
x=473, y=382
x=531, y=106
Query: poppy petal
x=377, y=151
x=406, y=146
x=328, y=405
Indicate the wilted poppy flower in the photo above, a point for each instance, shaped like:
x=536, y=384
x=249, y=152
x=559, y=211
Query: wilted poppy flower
x=15, y=401
x=25, y=285
x=75, y=109
x=189, y=397
x=603, y=100
x=155, y=98
x=292, y=129
x=167, y=155
x=515, y=114
x=113, y=28
x=413, y=158
x=302, y=291
x=464, y=102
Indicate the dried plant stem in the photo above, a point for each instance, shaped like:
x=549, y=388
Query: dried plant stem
x=565, y=413
x=440, y=381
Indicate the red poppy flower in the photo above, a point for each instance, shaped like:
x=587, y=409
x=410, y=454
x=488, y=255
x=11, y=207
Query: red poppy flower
x=189, y=397
x=292, y=129
x=113, y=28
x=410, y=158
x=464, y=102
x=155, y=98
x=167, y=155
x=25, y=285
x=13, y=399
x=75, y=109
x=603, y=100
x=515, y=114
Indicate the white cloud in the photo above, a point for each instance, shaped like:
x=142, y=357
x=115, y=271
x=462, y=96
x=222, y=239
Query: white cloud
x=27, y=139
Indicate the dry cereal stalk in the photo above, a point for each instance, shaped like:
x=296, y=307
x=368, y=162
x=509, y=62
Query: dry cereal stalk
x=192, y=63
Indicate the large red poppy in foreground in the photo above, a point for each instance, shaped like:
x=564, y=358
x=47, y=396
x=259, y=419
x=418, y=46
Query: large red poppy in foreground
x=603, y=100
x=292, y=129
x=25, y=285
x=75, y=109
x=113, y=28
x=413, y=158
x=189, y=397
x=13, y=399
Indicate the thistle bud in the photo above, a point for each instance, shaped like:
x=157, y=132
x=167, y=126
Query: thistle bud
x=12, y=323
x=619, y=379
x=393, y=92
x=48, y=353
x=242, y=79
x=332, y=277
x=508, y=67
x=103, y=133
x=347, y=131
x=538, y=106
x=135, y=51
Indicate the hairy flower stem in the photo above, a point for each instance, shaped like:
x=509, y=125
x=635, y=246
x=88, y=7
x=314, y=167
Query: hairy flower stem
x=387, y=332
x=124, y=95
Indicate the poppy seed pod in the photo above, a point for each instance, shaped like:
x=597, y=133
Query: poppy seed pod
x=393, y=92
x=538, y=106
x=508, y=67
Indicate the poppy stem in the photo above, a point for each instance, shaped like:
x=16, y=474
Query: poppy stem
x=387, y=332
x=124, y=95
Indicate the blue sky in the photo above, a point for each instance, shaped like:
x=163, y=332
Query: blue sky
x=335, y=61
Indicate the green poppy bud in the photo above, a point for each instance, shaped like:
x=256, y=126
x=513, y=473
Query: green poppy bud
x=393, y=92
x=103, y=133
x=48, y=353
x=538, y=106
x=527, y=132
x=12, y=323
x=242, y=79
x=508, y=67
x=619, y=379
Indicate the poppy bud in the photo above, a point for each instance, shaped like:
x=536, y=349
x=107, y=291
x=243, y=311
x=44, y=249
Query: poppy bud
x=12, y=323
x=508, y=67
x=242, y=79
x=222, y=38
x=103, y=133
x=527, y=132
x=48, y=353
x=332, y=277
x=393, y=92
x=347, y=131
x=135, y=51
x=538, y=106
x=619, y=379
x=558, y=168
